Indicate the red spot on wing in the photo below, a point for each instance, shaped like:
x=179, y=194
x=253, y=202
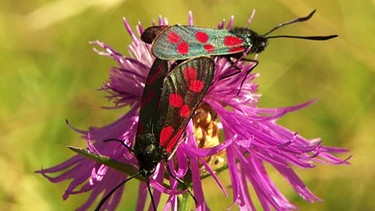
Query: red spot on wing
x=175, y=100
x=237, y=49
x=146, y=99
x=201, y=37
x=185, y=111
x=190, y=73
x=173, y=141
x=173, y=37
x=165, y=135
x=154, y=77
x=183, y=48
x=209, y=48
x=140, y=128
x=196, y=86
x=232, y=41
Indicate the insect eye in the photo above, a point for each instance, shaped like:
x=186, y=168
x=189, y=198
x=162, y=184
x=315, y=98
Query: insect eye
x=150, y=149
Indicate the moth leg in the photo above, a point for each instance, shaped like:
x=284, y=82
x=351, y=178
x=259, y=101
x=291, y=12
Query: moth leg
x=120, y=141
x=106, y=197
x=182, y=183
x=239, y=70
x=256, y=62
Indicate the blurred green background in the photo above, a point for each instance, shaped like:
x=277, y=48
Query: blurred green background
x=49, y=73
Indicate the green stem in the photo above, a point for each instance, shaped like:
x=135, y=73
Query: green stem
x=184, y=202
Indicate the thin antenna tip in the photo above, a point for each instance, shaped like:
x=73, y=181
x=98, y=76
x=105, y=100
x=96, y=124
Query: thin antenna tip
x=332, y=36
x=310, y=15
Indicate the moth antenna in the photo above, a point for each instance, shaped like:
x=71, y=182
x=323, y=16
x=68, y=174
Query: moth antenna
x=302, y=19
x=151, y=196
x=106, y=197
x=317, y=38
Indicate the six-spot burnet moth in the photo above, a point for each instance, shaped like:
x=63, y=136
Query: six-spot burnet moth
x=180, y=42
x=168, y=103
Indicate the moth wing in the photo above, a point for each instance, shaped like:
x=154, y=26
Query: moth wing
x=151, y=95
x=183, y=90
x=149, y=35
x=182, y=42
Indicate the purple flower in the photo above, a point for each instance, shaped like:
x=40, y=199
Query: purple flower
x=251, y=138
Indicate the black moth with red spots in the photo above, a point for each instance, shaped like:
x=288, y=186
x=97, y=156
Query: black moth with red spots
x=182, y=42
x=182, y=92
x=168, y=103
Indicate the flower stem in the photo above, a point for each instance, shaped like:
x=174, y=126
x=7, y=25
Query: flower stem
x=184, y=202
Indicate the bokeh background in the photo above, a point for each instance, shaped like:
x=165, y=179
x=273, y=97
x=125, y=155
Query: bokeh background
x=49, y=73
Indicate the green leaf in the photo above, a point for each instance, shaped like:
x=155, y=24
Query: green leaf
x=126, y=169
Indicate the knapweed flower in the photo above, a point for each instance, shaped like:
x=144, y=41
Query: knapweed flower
x=229, y=132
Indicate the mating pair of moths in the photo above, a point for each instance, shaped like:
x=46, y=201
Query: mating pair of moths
x=172, y=94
